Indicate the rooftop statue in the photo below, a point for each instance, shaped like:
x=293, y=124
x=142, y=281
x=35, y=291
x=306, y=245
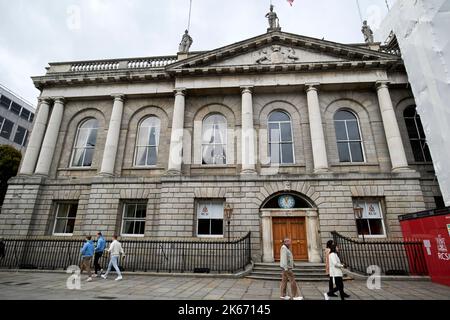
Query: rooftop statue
x=274, y=23
x=367, y=32
x=185, y=43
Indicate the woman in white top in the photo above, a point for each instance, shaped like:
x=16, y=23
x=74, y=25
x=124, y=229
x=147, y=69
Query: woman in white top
x=335, y=268
x=115, y=249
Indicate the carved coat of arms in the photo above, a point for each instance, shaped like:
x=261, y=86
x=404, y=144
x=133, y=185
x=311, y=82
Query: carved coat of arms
x=277, y=54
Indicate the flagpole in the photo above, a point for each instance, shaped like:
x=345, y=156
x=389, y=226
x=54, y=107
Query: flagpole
x=359, y=11
x=189, y=20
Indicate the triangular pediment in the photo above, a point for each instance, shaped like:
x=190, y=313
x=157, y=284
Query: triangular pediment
x=276, y=48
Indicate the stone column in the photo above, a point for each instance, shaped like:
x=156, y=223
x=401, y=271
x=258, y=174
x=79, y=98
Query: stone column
x=267, y=237
x=319, y=150
x=248, y=135
x=312, y=233
x=51, y=136
x=112, y=138
x=37, y=135
x=176, y=138
x=391, y=129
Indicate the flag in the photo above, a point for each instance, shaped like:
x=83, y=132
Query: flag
x=290, y=2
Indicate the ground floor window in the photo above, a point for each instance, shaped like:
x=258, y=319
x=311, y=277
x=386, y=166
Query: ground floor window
x=369, y=218
x=66, y=213
x=133, y=218
x=210, y=218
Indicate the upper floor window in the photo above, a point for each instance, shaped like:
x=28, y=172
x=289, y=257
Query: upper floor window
x=281, y=145
x=348, y=137
x=83, y=150
x=21, y=136
x=147, y=142
x=416, y=135
x=5, y=102
x=16, y=108
x=214, y=139
x=6, y=128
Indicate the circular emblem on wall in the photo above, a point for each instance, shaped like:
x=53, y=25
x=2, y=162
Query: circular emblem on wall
x=286, y=201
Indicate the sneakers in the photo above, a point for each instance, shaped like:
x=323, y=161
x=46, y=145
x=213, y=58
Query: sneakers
x=89, y=279
x=346, y=295
x=118, y=278
x=326, y=296
x=297, y=298
x=103, y=276
x=331, y=294
x=94, y=275
x=285, y=298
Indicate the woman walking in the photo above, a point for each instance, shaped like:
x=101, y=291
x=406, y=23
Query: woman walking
x=336, y=272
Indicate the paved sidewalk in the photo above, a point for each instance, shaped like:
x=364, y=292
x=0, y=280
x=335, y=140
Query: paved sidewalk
x=52, y=286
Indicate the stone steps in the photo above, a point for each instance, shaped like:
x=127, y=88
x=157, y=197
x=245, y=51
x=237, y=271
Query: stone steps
x=303, y=271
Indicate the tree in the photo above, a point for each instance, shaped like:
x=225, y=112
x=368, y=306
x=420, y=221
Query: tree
x=9, y=164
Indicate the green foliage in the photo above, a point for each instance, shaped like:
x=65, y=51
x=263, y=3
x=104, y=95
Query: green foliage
x=9, y=164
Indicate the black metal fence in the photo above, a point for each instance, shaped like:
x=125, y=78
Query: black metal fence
x=393, y=257
x=189, y=255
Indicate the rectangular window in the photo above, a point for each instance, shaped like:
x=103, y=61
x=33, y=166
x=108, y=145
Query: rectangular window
x=16, y=108
x=31, y=117
x=133, y=218
x=5, y=102
x=6, y=129
x=25, y=114
x=370, y=223
x=66, y=214
x=21, y=135
x=210, y=218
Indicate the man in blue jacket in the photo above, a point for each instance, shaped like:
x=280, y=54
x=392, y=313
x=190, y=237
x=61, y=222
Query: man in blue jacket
x=99, y=248
x=87, y=252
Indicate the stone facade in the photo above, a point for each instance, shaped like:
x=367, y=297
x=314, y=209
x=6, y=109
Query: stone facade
x=369, y=83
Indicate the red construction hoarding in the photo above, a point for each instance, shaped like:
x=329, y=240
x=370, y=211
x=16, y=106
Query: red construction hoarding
x=432, y=227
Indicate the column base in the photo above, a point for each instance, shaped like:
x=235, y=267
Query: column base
x=248, y=172
x=173, y=172
x=402, y=169
x=321, y=170
x=106, y=175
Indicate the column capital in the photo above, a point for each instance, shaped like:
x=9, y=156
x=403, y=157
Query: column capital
x=118, y=96
x=246, y=89
x=312, y=86
x=382, y=84
x=46, y=100
x=60, y=100
x=180, y=91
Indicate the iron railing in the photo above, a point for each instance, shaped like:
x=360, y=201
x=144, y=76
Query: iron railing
x=188, y=255
x=392, y=257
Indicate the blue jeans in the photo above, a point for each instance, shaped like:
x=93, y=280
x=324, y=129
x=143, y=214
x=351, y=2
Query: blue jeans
x=113, y=263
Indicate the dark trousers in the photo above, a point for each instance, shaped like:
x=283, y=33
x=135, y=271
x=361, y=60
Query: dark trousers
x=330, y=285
x=339, y=286
x=97, y=257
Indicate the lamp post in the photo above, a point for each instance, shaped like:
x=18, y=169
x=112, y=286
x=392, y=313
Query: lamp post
x=358, y=211
x=228, y=211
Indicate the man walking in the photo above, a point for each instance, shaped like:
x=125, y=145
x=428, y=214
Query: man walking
x=287, y=264
x=99, y=248
x=115, y=249
x=87, y=252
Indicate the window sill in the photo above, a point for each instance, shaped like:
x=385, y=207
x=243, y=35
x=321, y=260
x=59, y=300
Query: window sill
x=145, y=168
x=78, y=169
x=211, y=236
x=355, y=164
x=291, y=165
x=62, y=234
x=132, y=235
x=212, y=166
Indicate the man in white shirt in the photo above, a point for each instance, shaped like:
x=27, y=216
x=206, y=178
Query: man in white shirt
x=287, y=264
x=115, y=249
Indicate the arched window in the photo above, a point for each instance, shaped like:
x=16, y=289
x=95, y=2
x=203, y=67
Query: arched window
x=214, y=139
x=348, y=137
x=281, y=146
x=416, y=135
x=84, y=147
x=147, y=142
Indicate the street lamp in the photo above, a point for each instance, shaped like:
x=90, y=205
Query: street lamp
x=228, y=212
x=358, y=211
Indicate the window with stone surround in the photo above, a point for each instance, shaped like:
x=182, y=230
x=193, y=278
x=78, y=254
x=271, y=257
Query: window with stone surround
x=281, y=144
x=20, y=136
x=66, y=213
x=210, y=218
x=348, y=136
x=147, y=142
x=214, y=139
x=133, y=218
x=6, y=128
x=416, y=135
x=85, y=141
x=371, y=222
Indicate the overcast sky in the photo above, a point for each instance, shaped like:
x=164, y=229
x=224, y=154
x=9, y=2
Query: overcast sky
x=35, y=32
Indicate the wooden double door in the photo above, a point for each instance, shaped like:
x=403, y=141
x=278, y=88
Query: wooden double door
x=293, y=228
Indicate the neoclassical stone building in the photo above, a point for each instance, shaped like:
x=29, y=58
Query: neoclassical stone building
x=291, y=132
